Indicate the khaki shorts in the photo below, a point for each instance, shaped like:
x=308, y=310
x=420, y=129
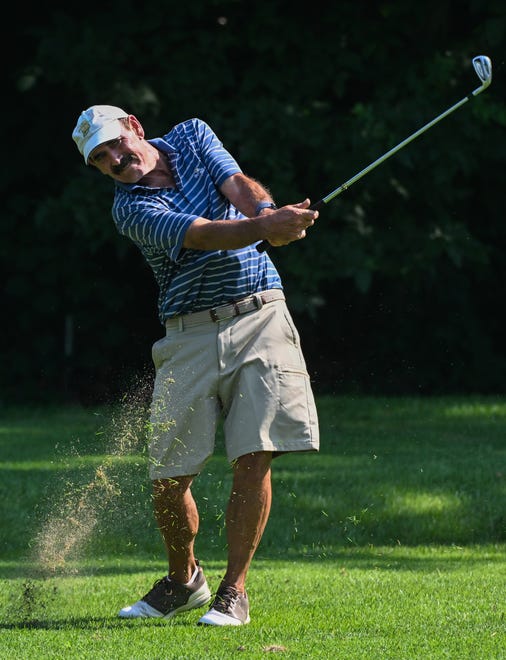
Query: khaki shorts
x=248, y=370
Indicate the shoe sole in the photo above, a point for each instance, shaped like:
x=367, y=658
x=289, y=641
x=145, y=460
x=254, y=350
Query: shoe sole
x=214, y=618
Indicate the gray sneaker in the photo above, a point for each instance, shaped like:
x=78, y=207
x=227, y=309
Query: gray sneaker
x=229, y=608
x=168, y=598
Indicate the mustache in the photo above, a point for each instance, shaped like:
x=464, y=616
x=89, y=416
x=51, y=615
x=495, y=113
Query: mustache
x=123, y=164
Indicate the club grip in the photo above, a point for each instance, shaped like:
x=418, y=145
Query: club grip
x=265, y=245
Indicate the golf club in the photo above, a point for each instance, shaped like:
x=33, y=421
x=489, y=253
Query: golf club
x=483, y=67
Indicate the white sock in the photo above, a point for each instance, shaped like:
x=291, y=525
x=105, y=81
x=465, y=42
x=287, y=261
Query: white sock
x=193, y=577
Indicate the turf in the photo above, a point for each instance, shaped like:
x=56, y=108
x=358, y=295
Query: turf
x=389, y=543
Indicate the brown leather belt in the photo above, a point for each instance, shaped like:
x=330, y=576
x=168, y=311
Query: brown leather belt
x=227, y=311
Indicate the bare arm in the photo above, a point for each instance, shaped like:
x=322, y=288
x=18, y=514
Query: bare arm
x=280, y=227
x=245, y=193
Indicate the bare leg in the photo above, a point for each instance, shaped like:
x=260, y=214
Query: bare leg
x=178, y=521
x=247, y=514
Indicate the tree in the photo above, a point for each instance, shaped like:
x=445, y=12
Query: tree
x=304, y=98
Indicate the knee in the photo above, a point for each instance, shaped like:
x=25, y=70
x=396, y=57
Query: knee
x=171, y=489
x=253, y=467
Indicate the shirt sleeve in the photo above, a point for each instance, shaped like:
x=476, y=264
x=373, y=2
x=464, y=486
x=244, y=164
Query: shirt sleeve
x=152, y=225
x=219, y=162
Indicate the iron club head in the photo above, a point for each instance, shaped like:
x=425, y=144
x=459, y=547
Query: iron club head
x=483, y=67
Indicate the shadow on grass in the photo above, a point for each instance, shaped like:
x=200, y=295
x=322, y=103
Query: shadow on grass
x=89, y=623
x=388, y=558
x=29, y=601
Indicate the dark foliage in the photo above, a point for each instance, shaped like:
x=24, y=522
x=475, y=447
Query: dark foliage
x=398, y=288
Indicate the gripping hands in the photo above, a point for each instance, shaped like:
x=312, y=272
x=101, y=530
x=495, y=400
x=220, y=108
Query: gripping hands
x=287, y=224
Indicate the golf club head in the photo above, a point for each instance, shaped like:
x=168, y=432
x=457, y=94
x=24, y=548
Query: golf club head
x=483, y=67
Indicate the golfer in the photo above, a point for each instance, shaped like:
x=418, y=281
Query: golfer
x=230, y=349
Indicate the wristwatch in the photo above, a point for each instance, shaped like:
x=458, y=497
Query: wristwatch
x=265, y=205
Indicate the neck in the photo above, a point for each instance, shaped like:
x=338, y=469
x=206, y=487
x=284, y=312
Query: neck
x=161, y=175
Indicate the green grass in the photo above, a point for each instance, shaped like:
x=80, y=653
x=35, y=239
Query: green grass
x=389, y=543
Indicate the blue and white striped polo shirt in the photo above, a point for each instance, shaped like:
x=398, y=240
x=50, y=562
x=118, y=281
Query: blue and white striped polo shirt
x=156, y=220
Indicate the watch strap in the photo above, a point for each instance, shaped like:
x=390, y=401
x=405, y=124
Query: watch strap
x=265, y=205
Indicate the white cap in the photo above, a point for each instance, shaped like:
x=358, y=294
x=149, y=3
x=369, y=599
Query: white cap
x=95, y=126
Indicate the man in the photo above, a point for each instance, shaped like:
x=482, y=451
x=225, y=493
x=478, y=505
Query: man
x=230, y=349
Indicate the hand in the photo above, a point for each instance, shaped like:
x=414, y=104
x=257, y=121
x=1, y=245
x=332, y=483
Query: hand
x=287, y=224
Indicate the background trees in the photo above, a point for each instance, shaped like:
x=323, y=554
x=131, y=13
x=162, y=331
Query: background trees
x=399, y=288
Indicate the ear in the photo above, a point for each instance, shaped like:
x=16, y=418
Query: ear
x=136, y=126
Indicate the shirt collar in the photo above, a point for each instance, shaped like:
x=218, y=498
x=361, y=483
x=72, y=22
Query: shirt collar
x=161, y=145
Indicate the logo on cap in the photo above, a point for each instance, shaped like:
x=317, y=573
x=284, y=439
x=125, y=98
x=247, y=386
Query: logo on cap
x=84, y=128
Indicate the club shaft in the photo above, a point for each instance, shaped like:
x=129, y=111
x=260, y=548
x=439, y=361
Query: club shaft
x=392, y=151
x=261, y=247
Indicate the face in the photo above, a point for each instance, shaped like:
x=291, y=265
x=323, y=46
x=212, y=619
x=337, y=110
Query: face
x=126, y=159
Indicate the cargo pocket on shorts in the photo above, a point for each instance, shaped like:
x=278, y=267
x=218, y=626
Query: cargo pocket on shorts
x=293, y=414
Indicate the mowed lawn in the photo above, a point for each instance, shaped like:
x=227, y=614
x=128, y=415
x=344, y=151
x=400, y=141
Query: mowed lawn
x=389, y=543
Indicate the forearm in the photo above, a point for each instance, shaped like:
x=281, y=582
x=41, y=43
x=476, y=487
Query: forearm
x=245, y=193
x=206, y=234
x=287, y=224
